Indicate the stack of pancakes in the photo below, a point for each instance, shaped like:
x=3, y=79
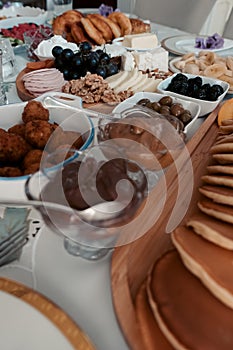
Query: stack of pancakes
x=187, y=300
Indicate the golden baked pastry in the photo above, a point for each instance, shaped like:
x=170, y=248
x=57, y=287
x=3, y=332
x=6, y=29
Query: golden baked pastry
x=62, y=23
x=138, y=26
x=123, y=21
x=92, y=31
x=102, y=26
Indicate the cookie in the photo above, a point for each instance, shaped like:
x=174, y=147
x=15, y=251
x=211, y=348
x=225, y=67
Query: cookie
x=218, y=211
x=187, y=312
x=218, y=194
x=213, y=230
x=209, y=262
x=152, y=336
x=220, y=169
x=222, y=180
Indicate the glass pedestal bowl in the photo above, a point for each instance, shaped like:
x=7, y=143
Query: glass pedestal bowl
x=106, y=183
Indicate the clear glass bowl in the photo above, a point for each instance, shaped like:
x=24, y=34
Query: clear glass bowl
x=94, y=176
x=144, y=136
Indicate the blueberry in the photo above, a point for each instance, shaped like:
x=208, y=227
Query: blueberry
x=85, y=47
x=56, y=51
x=102, y=71
x=67, y=54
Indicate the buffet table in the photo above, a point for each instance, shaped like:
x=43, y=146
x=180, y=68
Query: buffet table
x=80, y=288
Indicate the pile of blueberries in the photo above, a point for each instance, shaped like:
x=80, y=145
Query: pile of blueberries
x=194, y=87
x=75, y=65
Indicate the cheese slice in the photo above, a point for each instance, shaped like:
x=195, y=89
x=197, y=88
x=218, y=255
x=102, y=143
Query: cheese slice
x=140, y=41
x=151, y=85
x=134, y=78
x=118, y=79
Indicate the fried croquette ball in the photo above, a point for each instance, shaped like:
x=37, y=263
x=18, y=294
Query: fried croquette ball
x=12, y=148
x=34, y=110
x=38, y=132
x=8, y=171
x=18, y=129
x=2, y=131
x=32, y=168
x=33, y=156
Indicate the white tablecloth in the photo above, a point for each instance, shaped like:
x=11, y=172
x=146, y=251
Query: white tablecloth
x=81, y=288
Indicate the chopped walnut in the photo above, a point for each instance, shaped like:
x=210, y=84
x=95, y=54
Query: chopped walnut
x=94, y=89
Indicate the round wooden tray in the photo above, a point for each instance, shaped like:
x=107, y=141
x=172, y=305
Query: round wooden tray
x=23, y=94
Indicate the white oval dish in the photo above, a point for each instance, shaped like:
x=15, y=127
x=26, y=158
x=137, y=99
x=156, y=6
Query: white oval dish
x=206, y=106
x=193, y=107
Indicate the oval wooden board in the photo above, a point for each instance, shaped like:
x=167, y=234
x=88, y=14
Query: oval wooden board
x=131, y=263
x=24, y=95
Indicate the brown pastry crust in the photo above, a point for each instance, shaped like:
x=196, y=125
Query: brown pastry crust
x=62, y=24
x=123, y=21
x=101, y=25
x=78, y=33
x=92, y=31
x=116, y=30
x=138, y=26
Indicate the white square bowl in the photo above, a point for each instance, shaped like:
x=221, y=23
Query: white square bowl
x=206, y=106
x=193, y=107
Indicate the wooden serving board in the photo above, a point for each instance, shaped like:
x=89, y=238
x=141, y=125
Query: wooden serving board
x=131, y=263
x=24, y=95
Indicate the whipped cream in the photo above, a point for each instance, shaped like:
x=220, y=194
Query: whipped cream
x=44, y=49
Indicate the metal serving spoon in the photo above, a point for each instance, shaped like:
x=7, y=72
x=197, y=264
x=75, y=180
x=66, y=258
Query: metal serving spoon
x=99, y=212
x=51, y=102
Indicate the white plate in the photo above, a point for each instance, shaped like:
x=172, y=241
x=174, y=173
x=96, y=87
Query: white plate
x=194, y=108
x=35, y=323
x=119, y=41
x=181, y=44
x=27, y=14
x=32, y=330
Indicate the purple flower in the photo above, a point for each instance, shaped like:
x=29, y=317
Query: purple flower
x=212, y=42
x=199, y=43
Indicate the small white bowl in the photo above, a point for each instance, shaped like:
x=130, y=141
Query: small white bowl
x=206, y=106
x=193, y=107
x=13, y=187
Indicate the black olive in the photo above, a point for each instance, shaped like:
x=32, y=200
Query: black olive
x=143, y=101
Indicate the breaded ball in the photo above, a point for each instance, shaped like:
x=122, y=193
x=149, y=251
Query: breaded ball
x=9, y=171
x=2, y=131
x=34, y=110
x=32, y=168
x=12, y=148
x=38, y=132
x=33, y=156
x=18, y=129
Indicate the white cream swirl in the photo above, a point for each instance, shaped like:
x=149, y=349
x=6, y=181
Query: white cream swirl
x=44, y=49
